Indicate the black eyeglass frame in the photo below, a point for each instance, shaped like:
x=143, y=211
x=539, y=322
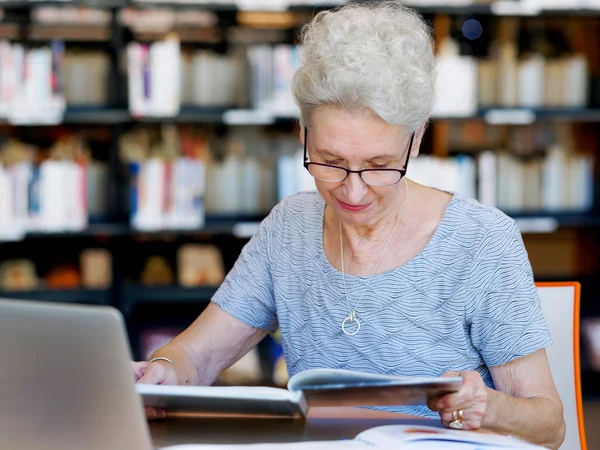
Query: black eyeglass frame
x=307, y=164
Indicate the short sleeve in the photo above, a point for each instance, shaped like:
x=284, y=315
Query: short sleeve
x=506, y=320
x=247, y=291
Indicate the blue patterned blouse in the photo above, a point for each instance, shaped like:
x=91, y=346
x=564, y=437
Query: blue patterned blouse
x=467, y=301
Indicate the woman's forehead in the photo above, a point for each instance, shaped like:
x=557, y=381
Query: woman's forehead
x=334, y=124
x=368, y=141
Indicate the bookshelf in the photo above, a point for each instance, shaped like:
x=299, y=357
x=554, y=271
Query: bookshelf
x=494, y=8
x=243, y=227
x=105, y=124
x=98, y=115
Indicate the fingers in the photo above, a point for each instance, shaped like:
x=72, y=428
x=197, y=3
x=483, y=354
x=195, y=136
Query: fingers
x=155, y=413
x=138, y=369
x=470, y=402
x=471, y=418
x=433, y=402
x=451, y=375
x=472, y=382
x=154, y=373
x=448, y=416
x=157, y=373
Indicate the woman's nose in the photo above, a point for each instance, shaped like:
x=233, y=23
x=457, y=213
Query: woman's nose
x=354, y=188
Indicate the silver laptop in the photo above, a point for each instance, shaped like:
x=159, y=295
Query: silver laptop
x=65, y=379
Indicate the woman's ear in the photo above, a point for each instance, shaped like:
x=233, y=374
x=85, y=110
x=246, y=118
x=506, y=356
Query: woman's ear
x=302, y=134
x=416, y=146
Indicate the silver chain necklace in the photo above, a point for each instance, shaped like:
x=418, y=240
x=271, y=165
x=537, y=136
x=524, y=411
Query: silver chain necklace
x=351, y=319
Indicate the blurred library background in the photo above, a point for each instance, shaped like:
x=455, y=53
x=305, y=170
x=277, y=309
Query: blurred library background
x=141, y=143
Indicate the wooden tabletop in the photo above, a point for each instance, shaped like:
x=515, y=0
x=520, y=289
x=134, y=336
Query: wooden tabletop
x=321, y=424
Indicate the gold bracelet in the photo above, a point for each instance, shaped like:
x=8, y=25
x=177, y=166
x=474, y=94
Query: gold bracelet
x=160, y=358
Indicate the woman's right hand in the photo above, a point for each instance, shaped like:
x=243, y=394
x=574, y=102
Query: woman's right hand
x=157, y=372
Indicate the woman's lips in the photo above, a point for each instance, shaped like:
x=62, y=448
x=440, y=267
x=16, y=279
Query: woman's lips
x=353, y=208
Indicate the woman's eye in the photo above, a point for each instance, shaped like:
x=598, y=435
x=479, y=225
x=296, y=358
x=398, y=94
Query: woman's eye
x=380, y=166
x=335, y=162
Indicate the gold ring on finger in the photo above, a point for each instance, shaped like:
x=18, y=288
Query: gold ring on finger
x=457, y=417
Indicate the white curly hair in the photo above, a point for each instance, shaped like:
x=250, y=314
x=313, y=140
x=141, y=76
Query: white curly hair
x=373, y=56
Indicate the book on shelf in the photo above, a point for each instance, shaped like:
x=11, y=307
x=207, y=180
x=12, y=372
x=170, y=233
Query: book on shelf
x=311, y=388
x=167, y=194
x=86, y=78
x=54, y=195
x=152, y=69
x=212, y=80
x=558, y=181
x=255, y=77
x=532, y=81
x=456, y=82
x=258, y=77
x=32, y=85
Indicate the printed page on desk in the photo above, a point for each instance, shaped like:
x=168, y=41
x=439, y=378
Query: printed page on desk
x=337, y=387
x=313, y=445
x=392, y=436
x=426, y=437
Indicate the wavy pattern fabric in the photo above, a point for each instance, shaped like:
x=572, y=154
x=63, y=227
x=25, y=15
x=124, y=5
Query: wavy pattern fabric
x=467, y=301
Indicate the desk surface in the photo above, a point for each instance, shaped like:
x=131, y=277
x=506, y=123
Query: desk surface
x=321, y=424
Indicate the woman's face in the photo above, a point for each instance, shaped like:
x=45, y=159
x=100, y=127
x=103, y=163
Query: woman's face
x=357, y=141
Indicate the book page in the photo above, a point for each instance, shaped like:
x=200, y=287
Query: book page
x=336, y=387
x=314, y=445
x=340, y=378
x=427, y=437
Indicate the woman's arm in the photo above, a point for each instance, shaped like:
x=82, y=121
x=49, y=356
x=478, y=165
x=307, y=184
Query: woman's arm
x=211, y=344
x=525, y=403
x=241, y=313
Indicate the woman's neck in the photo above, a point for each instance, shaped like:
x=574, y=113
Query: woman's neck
x=365, y=243
x=372, y=234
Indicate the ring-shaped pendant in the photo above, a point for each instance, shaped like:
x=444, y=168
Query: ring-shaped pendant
x=348, y=333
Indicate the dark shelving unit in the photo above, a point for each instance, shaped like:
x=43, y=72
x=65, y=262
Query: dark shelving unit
x=19, y=4
x=214, y=225
x=499, y=8
x=241, y=226
x=215, y=6
x=96, y=116
x=82, y=296
x=192, y=115
x=99, y=115
x=530, y=115
x=134, y=295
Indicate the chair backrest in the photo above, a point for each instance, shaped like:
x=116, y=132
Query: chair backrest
x=560, y=305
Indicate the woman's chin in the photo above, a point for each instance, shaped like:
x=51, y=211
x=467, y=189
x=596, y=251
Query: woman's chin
x=358, y=219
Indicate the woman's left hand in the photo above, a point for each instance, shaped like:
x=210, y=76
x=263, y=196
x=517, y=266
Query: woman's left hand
x=469, y=404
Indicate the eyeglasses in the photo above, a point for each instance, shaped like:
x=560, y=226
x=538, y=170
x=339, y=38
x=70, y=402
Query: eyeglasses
x=337, y=174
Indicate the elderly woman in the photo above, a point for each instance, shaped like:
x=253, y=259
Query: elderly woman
x=375, y=272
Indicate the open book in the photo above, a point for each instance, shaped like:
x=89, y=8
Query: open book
x=315, y=387
x=407, y=437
